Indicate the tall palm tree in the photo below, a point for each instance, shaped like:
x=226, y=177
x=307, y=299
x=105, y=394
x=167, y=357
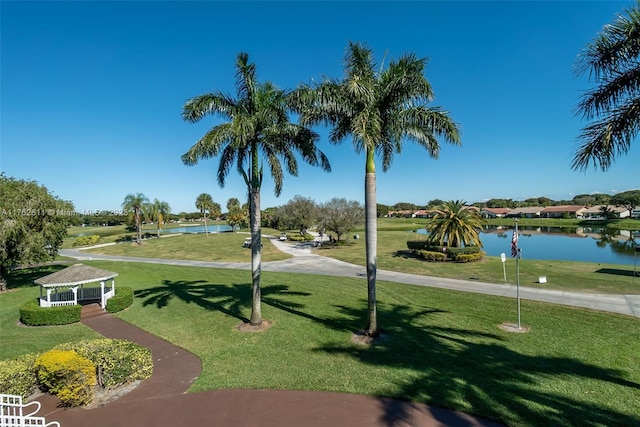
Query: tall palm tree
x=456, y=224
x=158, y=211
x=204, y=203
x=257, y=124
x=379, y=109
x=135, y=204
x=613, y=62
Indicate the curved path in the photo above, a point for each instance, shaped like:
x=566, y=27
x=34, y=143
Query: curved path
x=162, y=399
x=303, y=261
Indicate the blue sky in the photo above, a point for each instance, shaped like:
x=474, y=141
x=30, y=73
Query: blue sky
x=92, y=94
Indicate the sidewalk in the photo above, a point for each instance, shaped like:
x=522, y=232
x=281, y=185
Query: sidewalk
x=162, y=399
x=304, y=261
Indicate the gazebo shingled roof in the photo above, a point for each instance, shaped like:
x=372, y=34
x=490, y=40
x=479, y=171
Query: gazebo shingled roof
x=76, y=274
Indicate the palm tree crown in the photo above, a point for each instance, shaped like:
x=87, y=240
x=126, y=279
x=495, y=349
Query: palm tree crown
x=379, y=109
x=456, y=224
x=158, y=212
x=204, y=203
x=135, y=204
x=257, y=124
x=613, y=62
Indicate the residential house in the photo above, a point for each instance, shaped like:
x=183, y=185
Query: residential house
x=571, y=211
x=595, y=212
x=494, y=212
x=527, y=212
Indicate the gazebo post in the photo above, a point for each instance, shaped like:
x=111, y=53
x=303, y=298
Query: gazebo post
x=102, y=294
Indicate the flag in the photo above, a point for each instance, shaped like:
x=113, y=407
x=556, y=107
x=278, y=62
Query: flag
x=514, y=244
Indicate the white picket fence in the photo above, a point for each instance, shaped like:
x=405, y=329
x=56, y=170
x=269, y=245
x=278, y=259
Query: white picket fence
x=13, y=413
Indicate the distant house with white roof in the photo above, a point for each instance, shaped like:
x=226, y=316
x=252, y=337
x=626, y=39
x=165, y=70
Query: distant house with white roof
x=597, y=212
x=494, y=212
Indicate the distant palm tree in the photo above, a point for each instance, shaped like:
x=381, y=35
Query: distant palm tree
x=135, y=204
x=233, y=204
x=258, y=123
x=379, y=109
x=613, y=61
x=204, y=203
x=158, y=211
x=455, y=224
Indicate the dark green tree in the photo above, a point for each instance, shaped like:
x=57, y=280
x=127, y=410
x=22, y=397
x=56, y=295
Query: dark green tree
x=33, y=224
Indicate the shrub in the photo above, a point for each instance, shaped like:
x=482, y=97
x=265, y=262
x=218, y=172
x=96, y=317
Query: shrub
x=432, y=256
x=117, y=362
x=33, y=315
x=17, y=376
x=470, y=257
x=68, y=375
x=298, y=238
x=121, y=300
x=86, y=240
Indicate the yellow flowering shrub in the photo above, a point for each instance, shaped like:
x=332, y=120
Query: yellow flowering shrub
x=68, y=375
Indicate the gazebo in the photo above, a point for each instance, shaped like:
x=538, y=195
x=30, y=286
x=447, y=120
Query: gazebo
x=67, y=287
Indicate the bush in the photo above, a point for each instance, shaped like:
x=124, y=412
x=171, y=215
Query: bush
x=68, y=375
x=298, y=238
x=86, y=240
x=117, y=362
x=470, y=257
x=121, y=300
x=432, y=256
x=17, y=376
x=33, y=315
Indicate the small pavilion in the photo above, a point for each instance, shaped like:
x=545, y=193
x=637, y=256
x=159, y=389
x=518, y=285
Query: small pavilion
x=67, y=287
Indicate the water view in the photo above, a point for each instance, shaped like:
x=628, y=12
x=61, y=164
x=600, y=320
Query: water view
x=211, y=228
x=561, y=243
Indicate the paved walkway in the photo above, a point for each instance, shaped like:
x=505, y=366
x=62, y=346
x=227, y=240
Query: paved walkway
x=304, y=261
x=162, y=399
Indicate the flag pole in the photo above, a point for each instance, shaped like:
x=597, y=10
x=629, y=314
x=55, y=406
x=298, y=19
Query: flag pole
x=517, y=271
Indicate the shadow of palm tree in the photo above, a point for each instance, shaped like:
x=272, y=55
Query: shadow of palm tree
x=502, y=384
x=230, y=299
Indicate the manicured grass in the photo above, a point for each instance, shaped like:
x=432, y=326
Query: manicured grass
x=223, y=247
x=575, y=367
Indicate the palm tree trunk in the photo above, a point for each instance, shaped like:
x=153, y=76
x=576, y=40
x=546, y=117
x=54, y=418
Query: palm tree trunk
x=371, y=242
x=256, y=255
x=138, y=234
x=206, y=232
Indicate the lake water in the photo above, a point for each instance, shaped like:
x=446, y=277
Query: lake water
x=198, y=229
x=569, y=244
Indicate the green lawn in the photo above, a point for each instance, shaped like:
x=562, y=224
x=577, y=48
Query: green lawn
x=575, y=367
x=223, y=247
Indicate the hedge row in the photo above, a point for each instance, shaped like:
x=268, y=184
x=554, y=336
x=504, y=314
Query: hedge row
x=86, y=240
x=33, y=315
x=299, y=238
x=17, y=376
x=427, y=250
x=121, y=300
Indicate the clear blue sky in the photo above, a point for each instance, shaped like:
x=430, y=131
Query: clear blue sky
x=92, y=94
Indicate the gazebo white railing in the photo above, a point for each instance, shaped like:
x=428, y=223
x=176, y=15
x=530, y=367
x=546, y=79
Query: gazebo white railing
x=67, y=287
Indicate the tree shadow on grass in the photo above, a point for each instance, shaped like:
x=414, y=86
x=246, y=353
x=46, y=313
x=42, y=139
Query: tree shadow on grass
x=23, y=278
x=231, y=299
x=616, y=271
x=476, y=372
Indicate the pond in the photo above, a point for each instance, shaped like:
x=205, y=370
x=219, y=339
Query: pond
x=564, y=243
x=211, y=228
